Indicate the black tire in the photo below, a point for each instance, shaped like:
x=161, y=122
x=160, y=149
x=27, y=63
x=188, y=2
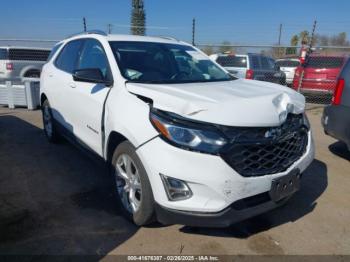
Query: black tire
x=53, y=136
x=145, y=213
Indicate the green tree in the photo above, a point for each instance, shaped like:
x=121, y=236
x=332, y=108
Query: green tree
x=304, y=37
x=138, y=18
x=293, y=42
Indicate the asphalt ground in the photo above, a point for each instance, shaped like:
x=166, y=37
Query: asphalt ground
x=54, y=199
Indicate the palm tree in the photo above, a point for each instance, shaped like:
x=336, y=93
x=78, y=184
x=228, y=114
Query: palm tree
x=304, y=37
x=138, y=18
x=294, y=40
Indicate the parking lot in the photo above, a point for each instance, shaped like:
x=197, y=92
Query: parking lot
x=56, y=200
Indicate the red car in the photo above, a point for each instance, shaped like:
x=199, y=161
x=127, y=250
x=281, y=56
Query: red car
x=320, y=74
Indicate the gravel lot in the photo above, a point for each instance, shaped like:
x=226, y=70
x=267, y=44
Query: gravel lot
x=56, y=200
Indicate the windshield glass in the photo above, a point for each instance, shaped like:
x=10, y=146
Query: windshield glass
x=146, y=62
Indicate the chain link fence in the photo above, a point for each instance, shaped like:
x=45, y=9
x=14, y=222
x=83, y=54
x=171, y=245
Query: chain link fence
x=22, y=59
x=316, y=79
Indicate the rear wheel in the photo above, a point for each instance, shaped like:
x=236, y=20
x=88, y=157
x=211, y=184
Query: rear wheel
x=132, y=187
x=48, y=122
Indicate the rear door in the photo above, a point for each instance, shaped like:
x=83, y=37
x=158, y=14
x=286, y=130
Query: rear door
x=60, y=82
x=88, y=98
x=236, y=64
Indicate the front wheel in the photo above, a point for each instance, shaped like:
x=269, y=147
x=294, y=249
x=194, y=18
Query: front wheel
x=132, y=186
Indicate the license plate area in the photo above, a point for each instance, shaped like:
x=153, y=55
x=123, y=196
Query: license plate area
x=285, y=186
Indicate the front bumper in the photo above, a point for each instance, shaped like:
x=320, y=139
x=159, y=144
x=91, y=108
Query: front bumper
x=215, y=185
x=224, y=218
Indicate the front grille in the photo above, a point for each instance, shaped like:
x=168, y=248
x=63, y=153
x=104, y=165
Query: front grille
x=266, y=150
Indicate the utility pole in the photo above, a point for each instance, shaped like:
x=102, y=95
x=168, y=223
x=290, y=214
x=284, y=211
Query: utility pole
x=84, y=24
x=279, y=41
x=193, y=30
x=308, y=52
x=109, y=28
x=280, y=34
x=313, y=35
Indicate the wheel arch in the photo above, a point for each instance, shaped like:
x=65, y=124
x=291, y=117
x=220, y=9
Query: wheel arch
x=43, y=97
x=35, y=71
x=114, y=139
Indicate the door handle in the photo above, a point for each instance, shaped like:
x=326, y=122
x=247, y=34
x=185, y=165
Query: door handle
x=72, y=85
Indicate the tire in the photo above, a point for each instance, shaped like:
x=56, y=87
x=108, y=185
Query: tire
x=50, y=129
x=131, y=185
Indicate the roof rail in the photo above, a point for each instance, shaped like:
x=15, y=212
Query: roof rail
x=169, y=38
x=98, y=32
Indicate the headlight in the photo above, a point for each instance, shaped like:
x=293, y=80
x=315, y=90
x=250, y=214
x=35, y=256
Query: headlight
x=186, y=134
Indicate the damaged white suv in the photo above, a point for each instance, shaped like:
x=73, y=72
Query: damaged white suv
x=186, y=142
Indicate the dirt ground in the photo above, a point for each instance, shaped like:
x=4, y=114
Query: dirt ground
x=56, y=200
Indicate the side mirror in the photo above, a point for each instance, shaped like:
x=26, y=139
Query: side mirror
x=277, y=68
x=90, y=75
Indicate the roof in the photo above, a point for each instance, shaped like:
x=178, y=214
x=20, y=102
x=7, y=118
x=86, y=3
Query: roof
x=119, y=37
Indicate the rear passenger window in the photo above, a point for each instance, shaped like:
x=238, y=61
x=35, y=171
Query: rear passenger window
x=255, y=62
x=67, y=59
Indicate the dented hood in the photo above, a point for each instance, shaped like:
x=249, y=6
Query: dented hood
x=234, y=103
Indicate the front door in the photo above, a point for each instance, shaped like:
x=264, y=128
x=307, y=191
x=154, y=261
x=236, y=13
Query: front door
x=89, y=98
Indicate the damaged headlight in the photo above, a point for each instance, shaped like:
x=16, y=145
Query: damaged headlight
x=187, y=134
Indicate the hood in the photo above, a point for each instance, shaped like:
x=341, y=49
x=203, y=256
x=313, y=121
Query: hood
x=239, y=102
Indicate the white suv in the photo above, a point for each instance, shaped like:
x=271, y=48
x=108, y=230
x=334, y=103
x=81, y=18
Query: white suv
x=186, y=143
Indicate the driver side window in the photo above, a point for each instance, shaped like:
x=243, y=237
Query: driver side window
x=93, y=56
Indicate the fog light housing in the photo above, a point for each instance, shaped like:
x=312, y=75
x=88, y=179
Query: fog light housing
x=176, y=189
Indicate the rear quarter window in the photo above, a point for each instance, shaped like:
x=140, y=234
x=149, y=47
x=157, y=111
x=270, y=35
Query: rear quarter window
x=232, y=61
x=54, y=51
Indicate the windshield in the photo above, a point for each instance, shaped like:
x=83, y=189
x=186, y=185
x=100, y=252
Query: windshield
x=146, y=62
